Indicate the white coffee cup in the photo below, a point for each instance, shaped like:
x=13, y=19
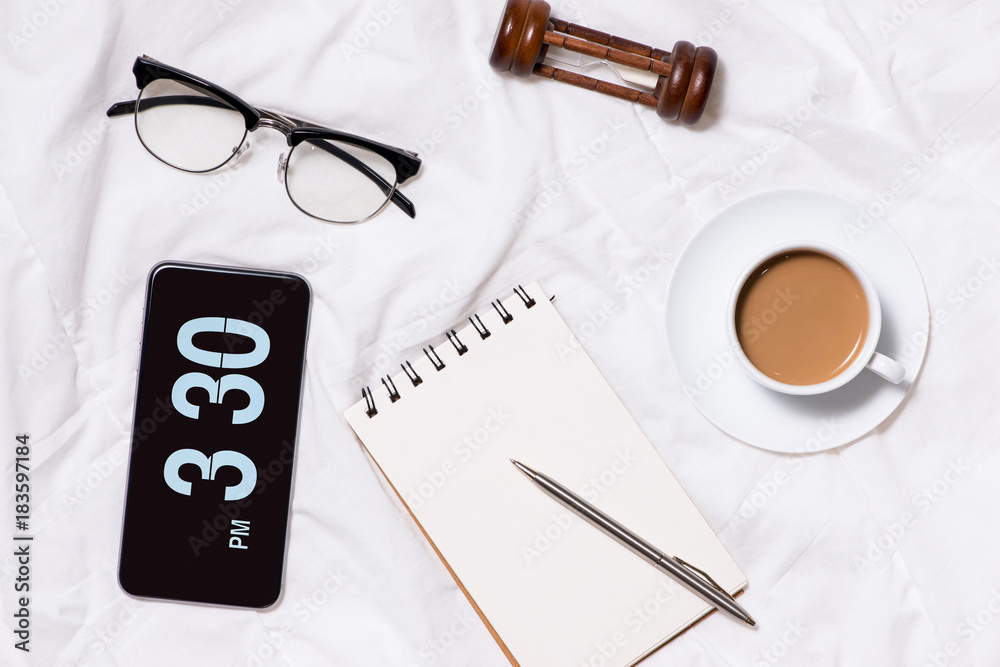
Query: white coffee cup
x=868, y=357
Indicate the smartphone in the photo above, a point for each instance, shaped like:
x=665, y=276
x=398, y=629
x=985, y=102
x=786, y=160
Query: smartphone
x=217, y=406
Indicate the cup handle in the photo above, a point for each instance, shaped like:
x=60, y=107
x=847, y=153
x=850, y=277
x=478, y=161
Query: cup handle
x=886, y=368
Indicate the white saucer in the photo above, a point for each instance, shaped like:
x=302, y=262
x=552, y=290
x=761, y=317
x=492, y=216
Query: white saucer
x=696, y=310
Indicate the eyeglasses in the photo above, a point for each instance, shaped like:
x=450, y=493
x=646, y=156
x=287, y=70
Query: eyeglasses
x=196, y=126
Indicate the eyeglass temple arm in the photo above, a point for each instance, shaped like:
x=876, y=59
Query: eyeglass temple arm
x=121, y=109
x=126, y=108
x=398, y=198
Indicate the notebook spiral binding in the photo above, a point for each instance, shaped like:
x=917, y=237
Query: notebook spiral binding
x=452, y=336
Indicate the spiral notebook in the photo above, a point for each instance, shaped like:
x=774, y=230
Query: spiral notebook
x=552, y=589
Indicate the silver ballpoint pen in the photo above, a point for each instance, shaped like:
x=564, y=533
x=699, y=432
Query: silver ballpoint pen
x=691, y=577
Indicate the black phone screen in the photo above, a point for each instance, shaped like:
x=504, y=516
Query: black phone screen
x=214, y=432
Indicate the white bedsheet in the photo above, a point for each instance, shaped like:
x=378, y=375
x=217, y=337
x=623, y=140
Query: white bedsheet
x=882, y=552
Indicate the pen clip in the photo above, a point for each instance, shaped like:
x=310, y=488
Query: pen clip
x=704, y=575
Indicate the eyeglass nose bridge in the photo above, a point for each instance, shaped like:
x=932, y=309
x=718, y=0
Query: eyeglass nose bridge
x=275, y=121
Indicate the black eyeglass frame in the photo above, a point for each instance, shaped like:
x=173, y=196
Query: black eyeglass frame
x=296, y=131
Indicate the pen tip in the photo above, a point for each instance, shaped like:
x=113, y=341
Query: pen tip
x=523, y=468
x=751, y=622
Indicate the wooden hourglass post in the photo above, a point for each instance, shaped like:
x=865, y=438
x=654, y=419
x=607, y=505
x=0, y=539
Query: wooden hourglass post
x=680, y=79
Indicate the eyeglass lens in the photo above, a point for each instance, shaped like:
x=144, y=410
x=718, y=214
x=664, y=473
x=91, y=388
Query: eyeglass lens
x=186, y=128
x=194, y=131
x=338, y=182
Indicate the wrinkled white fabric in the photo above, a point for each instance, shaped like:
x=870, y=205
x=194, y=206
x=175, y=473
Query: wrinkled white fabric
x=877, y=553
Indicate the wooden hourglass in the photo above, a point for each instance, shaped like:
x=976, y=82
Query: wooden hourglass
x=680, y=80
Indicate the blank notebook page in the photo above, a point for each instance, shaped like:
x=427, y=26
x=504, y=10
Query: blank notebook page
x=555, y=590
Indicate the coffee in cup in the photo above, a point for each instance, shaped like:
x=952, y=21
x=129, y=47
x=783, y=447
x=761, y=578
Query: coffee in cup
x=805, y=319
